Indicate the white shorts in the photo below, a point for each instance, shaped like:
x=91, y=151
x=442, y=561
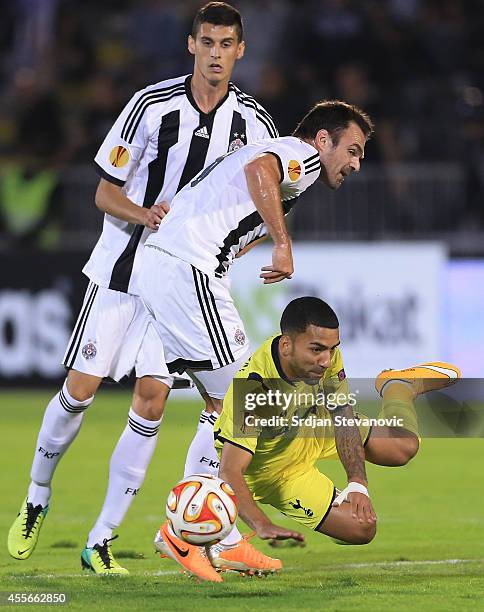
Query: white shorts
x=195, y=314
x=113, y=334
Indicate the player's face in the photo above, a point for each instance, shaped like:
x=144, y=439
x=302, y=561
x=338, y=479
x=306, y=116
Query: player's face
x=307, y=355
x=340, y=160
x=216, y=49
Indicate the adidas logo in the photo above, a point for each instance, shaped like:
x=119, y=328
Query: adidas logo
x=202, y=132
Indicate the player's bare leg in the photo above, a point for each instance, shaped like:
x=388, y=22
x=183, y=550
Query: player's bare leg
x=391, y=446
x=343, y=526
x=82, y=386
x=396, y=446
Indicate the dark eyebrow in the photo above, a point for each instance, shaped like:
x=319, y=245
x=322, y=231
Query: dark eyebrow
x=324, y=347
x=355, y=144
x=228, y=39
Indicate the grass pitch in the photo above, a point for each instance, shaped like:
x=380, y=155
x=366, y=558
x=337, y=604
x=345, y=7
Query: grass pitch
x=428, y=553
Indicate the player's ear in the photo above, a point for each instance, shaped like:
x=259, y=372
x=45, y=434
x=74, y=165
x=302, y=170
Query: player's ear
x=241, y=50
x=322, y=139
x=191, y=44
x=285, y=345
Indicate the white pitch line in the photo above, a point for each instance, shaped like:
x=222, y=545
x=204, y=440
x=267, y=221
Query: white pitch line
x=338, y=566
x=408, y=563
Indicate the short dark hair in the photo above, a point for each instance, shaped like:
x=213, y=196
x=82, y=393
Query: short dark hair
x=218, y=13
x=305, y=311
x=333, y=116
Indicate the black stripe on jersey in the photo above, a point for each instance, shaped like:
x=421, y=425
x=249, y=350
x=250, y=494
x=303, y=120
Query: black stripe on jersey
x=205, y=306
x=197, y=153
x=148, y=98
x=311, y=158
x=80, y=326
x=246, y=225
x=315, y=164
x=315, y=169
x=180, y=365
x=257, y=106
x=238, y=129
x=260, y=112
x=103, y=174
x=167, y=137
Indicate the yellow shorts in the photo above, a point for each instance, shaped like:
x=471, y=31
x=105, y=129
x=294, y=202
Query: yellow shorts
x=306, y=498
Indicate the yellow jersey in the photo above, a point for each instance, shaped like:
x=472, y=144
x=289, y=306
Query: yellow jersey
x=286, y=437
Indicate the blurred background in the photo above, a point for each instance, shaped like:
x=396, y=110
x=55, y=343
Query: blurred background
x=398, y=251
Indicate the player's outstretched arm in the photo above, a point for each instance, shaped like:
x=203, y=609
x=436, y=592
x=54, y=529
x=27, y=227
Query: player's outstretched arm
x=263, y=181
x=111, y=200
x=352, y=456
x=233, y=463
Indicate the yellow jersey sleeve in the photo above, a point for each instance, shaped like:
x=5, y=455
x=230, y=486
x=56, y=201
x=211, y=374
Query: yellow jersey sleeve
x=231, y=424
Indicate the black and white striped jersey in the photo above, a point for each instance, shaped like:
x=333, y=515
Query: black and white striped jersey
x=214, y=217
x=159, y=142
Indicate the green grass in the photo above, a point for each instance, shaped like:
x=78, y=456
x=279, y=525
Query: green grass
x=430, y=512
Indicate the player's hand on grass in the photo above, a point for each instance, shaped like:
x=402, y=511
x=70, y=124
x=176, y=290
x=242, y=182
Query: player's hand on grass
x=269, y=531
x=282, y=265
x=153, y=216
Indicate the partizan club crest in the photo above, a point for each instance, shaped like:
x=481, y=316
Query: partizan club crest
x=239, y=337
x=237, y=142
x=89, y=351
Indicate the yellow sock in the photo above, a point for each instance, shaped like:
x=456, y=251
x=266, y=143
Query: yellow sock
x=398, y=404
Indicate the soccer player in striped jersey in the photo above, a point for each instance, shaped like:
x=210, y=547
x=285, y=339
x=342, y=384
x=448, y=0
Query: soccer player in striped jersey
x=164, y=136
x=228, y=208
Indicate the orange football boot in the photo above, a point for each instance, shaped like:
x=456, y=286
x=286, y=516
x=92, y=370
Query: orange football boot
x=243, y=557
x=425, y=377
x=192, y=558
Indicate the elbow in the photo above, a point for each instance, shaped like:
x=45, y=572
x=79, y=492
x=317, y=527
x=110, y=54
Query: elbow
x=103, y=195
x=100, y=200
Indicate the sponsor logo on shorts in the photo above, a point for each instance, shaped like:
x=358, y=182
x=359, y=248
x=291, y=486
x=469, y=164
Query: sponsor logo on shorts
x=294, y=170
x=89, y=351
x=297, y=506
x=239, y=337
x=119, y=156
x=342, y=374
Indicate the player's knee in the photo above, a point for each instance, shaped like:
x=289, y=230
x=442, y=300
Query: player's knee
x=405, y=450
x=81, y=387
x=149, y=398
x=364, y=533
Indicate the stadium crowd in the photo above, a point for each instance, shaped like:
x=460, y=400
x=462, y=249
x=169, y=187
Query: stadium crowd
x=416, y=66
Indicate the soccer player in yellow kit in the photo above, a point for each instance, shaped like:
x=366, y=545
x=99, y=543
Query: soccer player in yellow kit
x=268, y=452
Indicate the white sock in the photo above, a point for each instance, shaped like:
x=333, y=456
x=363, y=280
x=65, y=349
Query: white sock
x=127, y=470
x=61, y=424
x=202, y=457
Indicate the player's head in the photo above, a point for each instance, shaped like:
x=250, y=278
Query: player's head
x=339, y=132
x=216, y=41
x=310, y=333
